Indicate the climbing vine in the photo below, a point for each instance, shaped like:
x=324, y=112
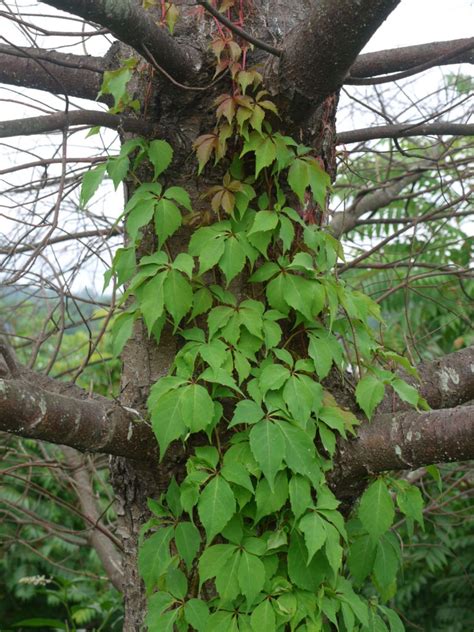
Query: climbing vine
x=252, y=538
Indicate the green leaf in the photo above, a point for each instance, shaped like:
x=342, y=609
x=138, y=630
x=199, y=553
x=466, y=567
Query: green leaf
x=167, y=418
x=251, y=576
x=269, y=502
x=139, y=216
x=263, y=617
x=176, y=583
x=246, y=412
x=197, y=408
x=154, y=557
x=167, y=218
x=233, y=259
x=235, y=472
x=314, y=531
x=305, y=576
x=393, y=619
x=405, y=391
x=216, y=506
x=369, y=393
x=263, y=221
x=410, y=501
x=272, y=377
x=180, y=195
x=121, y=331
x=376, y=511
x=160, y=154
x=213, y=559
x=117, y=168
x=321, y=352
x=362, y=557
x=188, y=541
x=300, y=495
x=299, y=397
x=300, y=452
x=268, y=447
x=227, y=582
x=150, y=297
x=202, y=302
x=302, y=295
x=333, y=548
x=90, y=183
x=178, y=295
x=386, y=563
x=197, y=614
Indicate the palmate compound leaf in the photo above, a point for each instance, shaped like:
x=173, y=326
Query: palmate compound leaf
x=187, y=408
x=369, y=393
x=268, y=447
x=376, y=510
x=216, y=506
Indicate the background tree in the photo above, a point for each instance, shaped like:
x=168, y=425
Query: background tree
x=399, y=206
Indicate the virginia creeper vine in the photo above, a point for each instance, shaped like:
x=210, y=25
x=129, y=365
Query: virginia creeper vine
x=252, y=538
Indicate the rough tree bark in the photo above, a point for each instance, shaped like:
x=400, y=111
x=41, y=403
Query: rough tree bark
x=319, y=43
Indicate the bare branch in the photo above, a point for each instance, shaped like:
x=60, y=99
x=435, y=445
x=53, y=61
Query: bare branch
x=59, y=73
x=105, y=549
x=344, y=221
x=89, y=425
x=399, y=59
x=134, y=26
x=318, y=54
x=405, y=130
x=63, y=120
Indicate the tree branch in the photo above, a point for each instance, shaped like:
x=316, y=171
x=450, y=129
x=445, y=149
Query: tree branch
x=404, y=441
x=399, y=59
x=134, y=26
x=405, y=130
x=89, y=425
x=444, y=383
x=318, y=53
x=344, y=221
x=104, y=547
x=63, y=120
x=59, y=73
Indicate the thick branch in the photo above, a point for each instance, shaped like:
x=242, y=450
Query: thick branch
x=405, y=440
x=85, y=424
x=405, y=130
x=105, y=549
x=318, y=54
x=63, y=120
x=134, y=26
x=59, y=73
x=444, y=383
x=399, y=59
